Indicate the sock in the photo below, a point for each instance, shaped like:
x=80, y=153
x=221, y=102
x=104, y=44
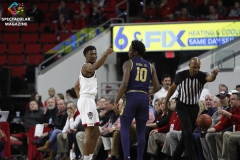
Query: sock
x=109, y=155
x=90, y=156
x=86, y=157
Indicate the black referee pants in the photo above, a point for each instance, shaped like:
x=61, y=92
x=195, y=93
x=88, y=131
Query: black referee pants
x=187, y=115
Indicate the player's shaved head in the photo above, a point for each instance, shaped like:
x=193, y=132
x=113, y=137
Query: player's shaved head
x=195, y=60
x=194, y=66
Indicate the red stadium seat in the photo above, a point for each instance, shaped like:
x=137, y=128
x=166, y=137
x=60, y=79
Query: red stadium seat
x=2, y=27
x=232, y=18
x=3, y=48
x=43, y=25
x=48, y=17
x=47, y=47
x=123, y=6
x=64, y=36
x=31, y=27
x=16, y=59
x=3, y=59
x=153, y=20
x=34, y=59
x=12, y=29
x=54, y=6
x=43, y=6
x=30, y=38
x=33, y=48
x=73, y=6
x=11, y=38
x=48, y=38
x=19, y=71
x=15, y=48
x=138, y=21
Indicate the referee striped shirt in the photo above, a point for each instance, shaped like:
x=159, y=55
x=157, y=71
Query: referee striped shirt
x=190, y=88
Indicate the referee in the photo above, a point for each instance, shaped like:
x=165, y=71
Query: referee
x=190, y=85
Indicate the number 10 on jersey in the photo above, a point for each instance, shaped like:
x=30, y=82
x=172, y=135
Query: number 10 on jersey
x=141, y=74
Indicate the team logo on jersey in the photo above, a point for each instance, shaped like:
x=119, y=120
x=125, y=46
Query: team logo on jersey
x=90, y=115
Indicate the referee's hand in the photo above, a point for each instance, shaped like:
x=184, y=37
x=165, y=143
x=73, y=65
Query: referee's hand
x=215, y=72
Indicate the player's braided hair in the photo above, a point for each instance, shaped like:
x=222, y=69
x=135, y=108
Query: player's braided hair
x=88, y=48
x=139, y=47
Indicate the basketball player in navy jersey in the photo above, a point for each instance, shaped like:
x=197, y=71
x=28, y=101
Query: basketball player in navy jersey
x=190, y=84
x=86, y=89
x=137, y=74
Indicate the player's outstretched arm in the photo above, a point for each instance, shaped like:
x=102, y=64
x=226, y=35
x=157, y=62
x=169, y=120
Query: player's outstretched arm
x=212, y=76
x=92, y=67
x=155, y=82
x=126, y=75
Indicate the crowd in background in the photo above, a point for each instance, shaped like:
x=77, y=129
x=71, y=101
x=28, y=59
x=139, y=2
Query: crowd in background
x=189, y=10
x=66, y=134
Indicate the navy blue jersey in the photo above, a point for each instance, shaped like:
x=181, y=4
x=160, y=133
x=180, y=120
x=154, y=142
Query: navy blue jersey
x=140, y=75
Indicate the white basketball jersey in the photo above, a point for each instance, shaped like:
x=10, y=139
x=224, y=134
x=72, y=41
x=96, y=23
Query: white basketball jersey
x=88, y=85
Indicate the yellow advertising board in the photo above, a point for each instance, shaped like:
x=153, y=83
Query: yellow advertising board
x=175, y=36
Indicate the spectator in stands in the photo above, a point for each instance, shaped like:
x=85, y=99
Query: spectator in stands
x=213, y=15
x=51, y=110
x=36, y=96
x=111, y=133
x=51, y=143
x=166, y=81
x=156, y=109
x=218, y=122
x=235, y=11
x=69, y=129
x=78, y=22
x=165, y=10
x=185, y=4
x=95, y=13
x=51, y=93
x=203, y=9
x=63, y=9
x=62, y=26
x=150, y=12
x=221, y=9
x=184, y=15
x=238, y=88
x=84, y=9
x=158, y=135
x=231, y=120
x=222, y=87
x=36, y=14
x=32, y=117
x=58, y=97
x=216, y=102
x=109, y=9
x=71, y=96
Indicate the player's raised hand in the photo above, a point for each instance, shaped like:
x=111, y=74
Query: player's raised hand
x=215, y=72
x=109, y=50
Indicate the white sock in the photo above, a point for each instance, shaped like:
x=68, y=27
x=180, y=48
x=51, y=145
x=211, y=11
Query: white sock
x=90, y=156
x=86, y=157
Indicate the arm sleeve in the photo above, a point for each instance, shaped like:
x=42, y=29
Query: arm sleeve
x=65, y=128
x=164, y=120
x=177, y=79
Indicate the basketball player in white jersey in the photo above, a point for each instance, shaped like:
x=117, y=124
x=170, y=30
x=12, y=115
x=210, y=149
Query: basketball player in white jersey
x=86, y=89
